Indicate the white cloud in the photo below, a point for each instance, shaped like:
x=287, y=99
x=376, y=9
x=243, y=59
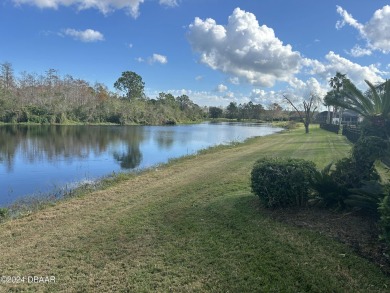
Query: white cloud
x=221, y=88
x=357, y=51
x=376, y=31
x=244, y=49
x=299, y=89
x=265, y=98
x=203, y=98
x=199, y=77
x=335, y=63
x=104, y=6
x=234, y=80
x=347, y=19
x=157, y=58
x=139, y=59
x=170, y=3
x=87, y=35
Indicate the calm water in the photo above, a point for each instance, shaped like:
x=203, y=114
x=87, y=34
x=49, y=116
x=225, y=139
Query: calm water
x=37, y=159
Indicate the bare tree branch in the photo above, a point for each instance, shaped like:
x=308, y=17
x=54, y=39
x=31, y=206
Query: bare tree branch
x=308, y=111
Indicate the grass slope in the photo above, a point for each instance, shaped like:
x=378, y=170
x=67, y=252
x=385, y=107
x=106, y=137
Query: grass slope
x=191, y=226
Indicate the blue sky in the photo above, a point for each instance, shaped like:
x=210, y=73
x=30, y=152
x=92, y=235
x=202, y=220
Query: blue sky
x=215, y=51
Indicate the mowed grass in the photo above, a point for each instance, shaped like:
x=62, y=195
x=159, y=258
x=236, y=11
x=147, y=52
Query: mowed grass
x=190, y=226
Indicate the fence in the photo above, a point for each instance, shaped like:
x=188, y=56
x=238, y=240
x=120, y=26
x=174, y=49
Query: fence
x=352, y=133
x=330, y=127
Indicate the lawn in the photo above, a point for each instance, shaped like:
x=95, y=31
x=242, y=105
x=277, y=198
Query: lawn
x=192, y=225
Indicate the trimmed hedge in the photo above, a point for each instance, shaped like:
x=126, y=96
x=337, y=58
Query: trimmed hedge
x=282, y=182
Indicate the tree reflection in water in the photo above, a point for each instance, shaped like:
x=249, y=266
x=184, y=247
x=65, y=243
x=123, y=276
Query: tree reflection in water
x=37, y=143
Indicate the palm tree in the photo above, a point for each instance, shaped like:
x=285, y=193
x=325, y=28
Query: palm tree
x=373, y=105
x=337, y=83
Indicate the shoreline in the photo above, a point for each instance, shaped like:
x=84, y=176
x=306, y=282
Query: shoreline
x=193, y=225
x=34, y=201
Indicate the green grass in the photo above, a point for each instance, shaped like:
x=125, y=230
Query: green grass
x=189, y=226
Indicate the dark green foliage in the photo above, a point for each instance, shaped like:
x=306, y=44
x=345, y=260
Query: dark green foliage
x=53, y=99
x=329, y=193
x=384, y=221
x=369, y=148
x=344, y=188
x=131, y=84
x=215, y=112
x=359, y=167
x=353, y=183
x=350, y=173
x=281, y=182
x=4, y=212
x=366, y=198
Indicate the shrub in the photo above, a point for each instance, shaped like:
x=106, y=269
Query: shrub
x=351, y=173
x=367, y=198
x=282, y=182
x=329, y=193
x=384, y=221
x=3, y=213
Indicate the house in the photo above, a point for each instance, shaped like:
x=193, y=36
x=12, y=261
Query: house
x=349, y=117
x=322, y=117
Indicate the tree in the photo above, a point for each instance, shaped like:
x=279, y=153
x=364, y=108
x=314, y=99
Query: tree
x=167, y=99
x=337, y=83
x=373, y=105
x=184, y=102
x=274, y=110
x=130, y=83
x=232, y=110
x=7, y=79
x=308, y=110
x=215, y=112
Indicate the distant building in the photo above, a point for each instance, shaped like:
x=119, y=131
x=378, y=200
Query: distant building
x=348, y=117
x=323, y=116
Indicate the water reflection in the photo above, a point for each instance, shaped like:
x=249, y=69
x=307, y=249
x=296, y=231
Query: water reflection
x=68, y=143
x=34, y=159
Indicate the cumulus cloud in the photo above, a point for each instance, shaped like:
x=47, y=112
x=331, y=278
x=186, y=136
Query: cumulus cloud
x=265, y=98
x=221, y=88
x=105, y=6
x=335, y=63
x=234, y=80
x=244, y=49
x=170, y=3
x=157, y=58
x=357, y=51
x=87, y=35
x=202, y=98
x=376, y=31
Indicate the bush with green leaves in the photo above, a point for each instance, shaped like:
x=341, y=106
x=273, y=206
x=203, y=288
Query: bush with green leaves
x=384, y=221
x=328, y=192
x=3, y=213
x=353, y=171
x=366, y=198
x=282, y=182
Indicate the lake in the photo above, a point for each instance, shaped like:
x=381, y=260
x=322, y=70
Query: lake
x=37, y=159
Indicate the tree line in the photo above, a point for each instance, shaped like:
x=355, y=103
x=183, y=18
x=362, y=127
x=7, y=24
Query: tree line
x=51, y=98
x=251, y=111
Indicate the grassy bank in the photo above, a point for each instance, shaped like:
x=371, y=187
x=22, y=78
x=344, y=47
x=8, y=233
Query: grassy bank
x=190, y=226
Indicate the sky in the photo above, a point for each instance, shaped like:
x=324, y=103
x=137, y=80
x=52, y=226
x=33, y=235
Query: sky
x=214, y=51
